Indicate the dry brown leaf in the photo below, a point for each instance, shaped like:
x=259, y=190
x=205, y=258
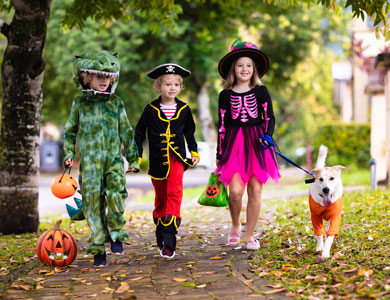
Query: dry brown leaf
x=136, y=278
x=217, y=258
x=261, y=274
x=274, y=291
x=172, y=293
x=123, y=288
x=351, y=270
x=365, y=272
x=277, y=273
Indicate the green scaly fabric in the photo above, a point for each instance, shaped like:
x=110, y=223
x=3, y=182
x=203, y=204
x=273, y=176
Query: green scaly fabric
x=100, y=123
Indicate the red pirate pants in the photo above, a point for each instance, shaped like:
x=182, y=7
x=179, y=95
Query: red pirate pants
x=169, y=191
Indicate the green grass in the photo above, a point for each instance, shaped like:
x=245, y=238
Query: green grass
x=360, y=262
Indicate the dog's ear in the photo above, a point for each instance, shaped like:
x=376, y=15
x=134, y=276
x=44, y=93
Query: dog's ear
x=337, y=168
x=316, y=172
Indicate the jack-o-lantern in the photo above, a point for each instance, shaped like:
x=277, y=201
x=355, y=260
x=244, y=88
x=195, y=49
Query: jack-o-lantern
x=212, y=191
x=57, y=247
x=64, y=186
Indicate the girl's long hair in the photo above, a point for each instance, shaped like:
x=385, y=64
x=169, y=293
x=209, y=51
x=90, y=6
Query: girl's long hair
x=231, y=78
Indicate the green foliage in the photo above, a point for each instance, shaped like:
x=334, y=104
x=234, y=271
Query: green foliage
x=157, y=13
x=377, y=10
x=287, y=255
x=298, y=42
x=348, y=144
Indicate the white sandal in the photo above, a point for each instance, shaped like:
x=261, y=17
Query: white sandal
x=233, y=239
x=253, y=245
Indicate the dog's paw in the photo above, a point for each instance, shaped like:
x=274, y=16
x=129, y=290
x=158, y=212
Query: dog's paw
x=320, y=243
x=325, y=254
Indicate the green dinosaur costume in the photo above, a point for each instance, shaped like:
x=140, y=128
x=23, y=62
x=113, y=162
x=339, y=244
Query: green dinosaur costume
x=100, y=123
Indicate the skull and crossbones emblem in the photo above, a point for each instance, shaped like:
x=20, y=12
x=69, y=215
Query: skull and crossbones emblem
x=170, y=69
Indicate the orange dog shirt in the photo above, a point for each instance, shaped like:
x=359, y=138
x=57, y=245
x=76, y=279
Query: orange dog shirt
x=330, y=213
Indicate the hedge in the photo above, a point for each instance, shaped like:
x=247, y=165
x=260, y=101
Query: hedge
x=348, y=144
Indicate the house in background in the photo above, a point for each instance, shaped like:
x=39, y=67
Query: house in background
x=359, y=90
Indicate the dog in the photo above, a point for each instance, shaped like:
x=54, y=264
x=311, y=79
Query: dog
x=325, y=201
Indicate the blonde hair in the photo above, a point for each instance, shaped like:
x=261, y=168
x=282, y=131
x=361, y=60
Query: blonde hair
x=159, y=81
x=231, y=77
x=87, y=78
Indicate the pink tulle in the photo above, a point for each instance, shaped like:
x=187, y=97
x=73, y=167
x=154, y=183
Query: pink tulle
x=236, y=164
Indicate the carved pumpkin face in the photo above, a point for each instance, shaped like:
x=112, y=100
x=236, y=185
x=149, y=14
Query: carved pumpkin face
x=212, y=190
x=57, y=247
x=65, y=187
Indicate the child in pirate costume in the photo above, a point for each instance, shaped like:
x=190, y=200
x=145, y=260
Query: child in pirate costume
x=168, y=122
x=98, y=118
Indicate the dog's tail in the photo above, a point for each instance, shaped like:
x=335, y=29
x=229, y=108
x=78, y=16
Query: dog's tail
x=321, y=157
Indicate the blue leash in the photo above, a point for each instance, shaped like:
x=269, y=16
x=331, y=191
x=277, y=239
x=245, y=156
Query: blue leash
x=271, y=143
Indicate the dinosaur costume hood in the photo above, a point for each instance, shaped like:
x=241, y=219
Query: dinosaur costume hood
x=96, y=62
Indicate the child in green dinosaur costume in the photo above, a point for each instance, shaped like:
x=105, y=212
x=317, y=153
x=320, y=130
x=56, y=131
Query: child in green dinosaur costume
x=98, y=119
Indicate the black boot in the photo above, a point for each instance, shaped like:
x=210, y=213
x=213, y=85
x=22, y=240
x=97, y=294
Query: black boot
x=100, y=260
x=116, y=247
x=159, y=232
x=169, y=236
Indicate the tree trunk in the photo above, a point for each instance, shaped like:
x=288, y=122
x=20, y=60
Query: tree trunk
x=22, y=76
x=206, y=122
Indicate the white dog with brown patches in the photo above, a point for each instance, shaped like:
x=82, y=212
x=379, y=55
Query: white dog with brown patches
x=325, y=200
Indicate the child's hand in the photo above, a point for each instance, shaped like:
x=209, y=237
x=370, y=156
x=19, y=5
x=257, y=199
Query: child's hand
x=132, y=170
x=195, y=160
x=68, y=163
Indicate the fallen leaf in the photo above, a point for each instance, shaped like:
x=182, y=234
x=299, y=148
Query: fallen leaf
x=177, y=279
x=274, y=291
x=217, y=258
x=58, y=270
x=77, y=279
x=49, y=274
x=105, y=274
x=364, y=272
x=190, y=263
x=171, y=293
x=92, y=296
x=277, y=273
x=136, y=278
x=123, y=288
x=201, y=286
x=38, y=287
x=188, y=284
x=351, y=270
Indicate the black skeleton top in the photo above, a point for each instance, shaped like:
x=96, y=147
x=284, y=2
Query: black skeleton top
x=251, y=108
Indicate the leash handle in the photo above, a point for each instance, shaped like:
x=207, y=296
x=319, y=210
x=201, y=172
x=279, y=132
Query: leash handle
x=271, y=143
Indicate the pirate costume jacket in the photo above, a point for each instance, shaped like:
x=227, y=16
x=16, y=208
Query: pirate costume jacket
x=165, y=136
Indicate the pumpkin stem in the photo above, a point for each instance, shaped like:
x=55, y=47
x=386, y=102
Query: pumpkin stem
x=57, y=225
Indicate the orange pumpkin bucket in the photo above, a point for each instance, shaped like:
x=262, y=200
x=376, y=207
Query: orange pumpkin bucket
x=64, y=186
x=57, y=247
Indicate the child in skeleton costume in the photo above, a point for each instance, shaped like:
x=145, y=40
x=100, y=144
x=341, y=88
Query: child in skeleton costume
x=167, y=121
x=245, y=115
x=98, y=118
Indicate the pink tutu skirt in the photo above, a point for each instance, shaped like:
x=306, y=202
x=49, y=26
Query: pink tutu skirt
x=242, y=154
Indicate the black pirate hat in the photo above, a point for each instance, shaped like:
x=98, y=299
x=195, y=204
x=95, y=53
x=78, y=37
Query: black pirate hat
x=170, y=68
